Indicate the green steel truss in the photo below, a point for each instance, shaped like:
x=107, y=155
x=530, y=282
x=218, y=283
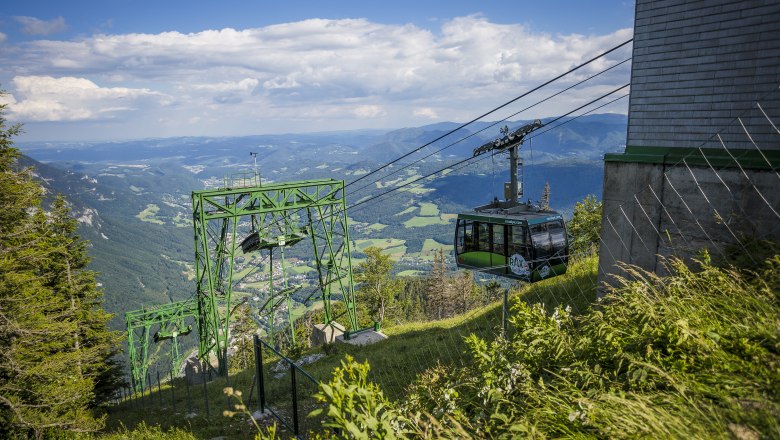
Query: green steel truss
x=224, y=218
x=169, y=319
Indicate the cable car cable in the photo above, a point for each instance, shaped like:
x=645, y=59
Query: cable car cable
x=495, y=109
x=491, y=125
x=464, y=125
x=472, y=157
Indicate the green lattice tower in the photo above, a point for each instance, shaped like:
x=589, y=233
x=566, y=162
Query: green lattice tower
x=169, y=320
x=222, y=217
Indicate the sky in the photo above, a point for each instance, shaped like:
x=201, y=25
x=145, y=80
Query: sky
x=122, y=69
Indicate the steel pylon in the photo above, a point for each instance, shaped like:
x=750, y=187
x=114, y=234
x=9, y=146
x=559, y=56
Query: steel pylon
x=225, y=218
x=169, y=320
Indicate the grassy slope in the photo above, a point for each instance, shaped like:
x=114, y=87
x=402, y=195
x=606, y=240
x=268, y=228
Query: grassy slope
x=410, y=349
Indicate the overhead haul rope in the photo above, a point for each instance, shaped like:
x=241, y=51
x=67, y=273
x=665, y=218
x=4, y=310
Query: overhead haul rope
x=466, y=162
x=476, y=119
x=470, y=158
x=460, y=127
x=490, y=126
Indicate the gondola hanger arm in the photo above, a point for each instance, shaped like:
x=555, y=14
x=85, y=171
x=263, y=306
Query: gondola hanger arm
x=509, y=139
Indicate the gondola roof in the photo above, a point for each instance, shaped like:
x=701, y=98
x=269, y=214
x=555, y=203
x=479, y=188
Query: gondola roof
x=502, y=213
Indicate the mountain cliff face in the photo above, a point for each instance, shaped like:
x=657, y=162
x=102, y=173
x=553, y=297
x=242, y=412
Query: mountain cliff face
x=132, y=198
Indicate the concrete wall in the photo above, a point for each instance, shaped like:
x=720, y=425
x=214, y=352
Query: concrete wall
x=699, y=69
x=655, y=211
x=699, y=64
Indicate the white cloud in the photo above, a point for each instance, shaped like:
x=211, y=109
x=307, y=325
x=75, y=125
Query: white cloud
x=426, y=113
x=244, y=85
x=330, y=74
x=36, y=26
x=45, y=98
x=3, y=37
x=368, y=111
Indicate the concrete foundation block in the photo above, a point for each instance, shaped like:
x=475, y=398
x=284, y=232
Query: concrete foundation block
x=326, y=333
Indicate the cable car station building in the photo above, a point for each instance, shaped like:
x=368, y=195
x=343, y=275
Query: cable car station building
x=700, y=168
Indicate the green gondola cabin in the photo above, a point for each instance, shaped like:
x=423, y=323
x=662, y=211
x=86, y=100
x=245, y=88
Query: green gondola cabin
x=522, y=242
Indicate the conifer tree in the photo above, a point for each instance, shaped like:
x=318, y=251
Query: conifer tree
x=54, y=344
x=378, y=289
x=544, y=203
x=440, y=302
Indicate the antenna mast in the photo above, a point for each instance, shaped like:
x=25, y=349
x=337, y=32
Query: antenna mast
x=257, y=173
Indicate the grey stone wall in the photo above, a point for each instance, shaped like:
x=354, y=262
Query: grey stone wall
x=705, y=74
x=656, y=211
x=697, y=65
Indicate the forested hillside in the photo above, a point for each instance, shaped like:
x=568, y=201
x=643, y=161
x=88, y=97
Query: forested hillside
x=132, y=198
x=56, y=352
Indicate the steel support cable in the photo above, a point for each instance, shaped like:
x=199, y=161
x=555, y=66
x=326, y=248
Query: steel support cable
x=460, y=127
x=492, y=111
x=492, y=125
x=466, y=161
x=572, y=119
x=470, y=158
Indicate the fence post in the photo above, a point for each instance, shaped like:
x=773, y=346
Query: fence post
x=252, y=390
x=189, y=399
x=294, y=399
x=259, y=374
x=159, y=389
x=205, y=389
x=227, y=384
x=149, y=386
x=173, y=393
x=505, y=311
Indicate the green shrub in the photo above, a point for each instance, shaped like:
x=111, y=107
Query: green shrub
x=692, y=355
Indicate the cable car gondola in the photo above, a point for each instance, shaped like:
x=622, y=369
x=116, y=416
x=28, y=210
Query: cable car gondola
x=512, y=239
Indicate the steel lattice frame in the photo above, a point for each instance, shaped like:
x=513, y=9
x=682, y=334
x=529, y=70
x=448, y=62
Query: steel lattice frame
x=270, y=208
x=170, y=318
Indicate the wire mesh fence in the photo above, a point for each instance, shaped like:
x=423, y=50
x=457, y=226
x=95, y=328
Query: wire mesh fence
x=722, y=196
x=285, y=390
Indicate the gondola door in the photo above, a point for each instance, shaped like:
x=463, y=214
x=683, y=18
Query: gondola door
x=519, y=252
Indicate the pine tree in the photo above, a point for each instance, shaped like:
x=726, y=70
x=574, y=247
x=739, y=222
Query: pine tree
x=439, y=292
x=378, y=289
x=544, y=203
x=54, y=344
x=464, y=289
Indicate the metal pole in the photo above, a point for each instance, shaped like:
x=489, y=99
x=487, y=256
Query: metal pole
x=205, y=389
x=259, y=374
x=513, y=175
x=159, y=389
x=505, y=311
x=294, y=400
x=189, y=399
x=173, y=394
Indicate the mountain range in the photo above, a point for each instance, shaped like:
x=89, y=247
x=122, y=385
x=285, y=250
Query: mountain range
x=132, y=198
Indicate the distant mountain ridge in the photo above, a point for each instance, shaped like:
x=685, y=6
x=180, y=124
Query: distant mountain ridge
x=133, y=197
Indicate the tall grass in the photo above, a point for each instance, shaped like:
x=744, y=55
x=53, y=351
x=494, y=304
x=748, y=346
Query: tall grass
x=692, y=355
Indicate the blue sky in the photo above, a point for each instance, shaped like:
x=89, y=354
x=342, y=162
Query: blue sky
x=87, y=70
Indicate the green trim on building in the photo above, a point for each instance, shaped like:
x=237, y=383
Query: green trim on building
x=717, y=157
